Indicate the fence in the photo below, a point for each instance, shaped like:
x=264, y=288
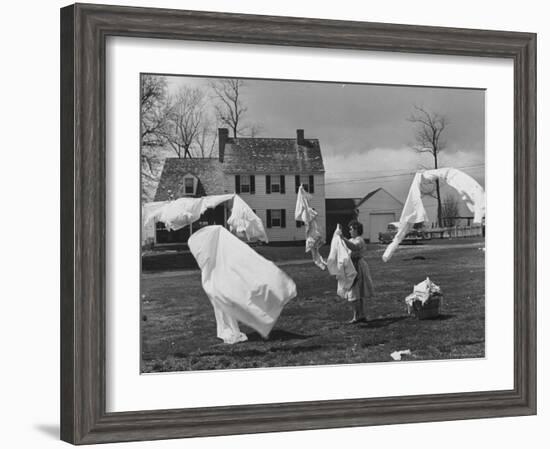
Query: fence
x=455, y=232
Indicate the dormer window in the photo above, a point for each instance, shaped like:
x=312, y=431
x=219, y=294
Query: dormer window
x=189, y=186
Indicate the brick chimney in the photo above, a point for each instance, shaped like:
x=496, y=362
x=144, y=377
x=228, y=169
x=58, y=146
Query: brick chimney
x=300, y=137
x=223, y=134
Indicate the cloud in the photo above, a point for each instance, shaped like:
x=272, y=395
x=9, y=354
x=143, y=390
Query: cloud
x=355, y=175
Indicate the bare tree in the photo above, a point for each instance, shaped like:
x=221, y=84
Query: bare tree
x=254, y=129
x=206, y=139
x=450, y=210
x=429, y=128
x=230, y=108
x=185, y=119
x=153, y=102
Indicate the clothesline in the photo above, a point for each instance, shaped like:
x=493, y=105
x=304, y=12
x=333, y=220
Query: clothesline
x=414, y=211
x=182, y=212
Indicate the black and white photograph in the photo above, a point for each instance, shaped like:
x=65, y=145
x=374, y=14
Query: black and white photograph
x=301, y=223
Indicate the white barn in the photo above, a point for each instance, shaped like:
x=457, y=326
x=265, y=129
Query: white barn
x=376, y=210
x=264, y=172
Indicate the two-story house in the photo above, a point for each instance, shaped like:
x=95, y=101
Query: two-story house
x=265, y=172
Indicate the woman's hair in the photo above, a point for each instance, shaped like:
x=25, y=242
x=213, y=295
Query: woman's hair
x=357, y=226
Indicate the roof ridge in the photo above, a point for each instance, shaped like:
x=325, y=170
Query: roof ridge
x=272, y=138
x=191, y=158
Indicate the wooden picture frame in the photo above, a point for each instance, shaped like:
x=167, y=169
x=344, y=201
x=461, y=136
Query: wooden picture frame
x=84, y=29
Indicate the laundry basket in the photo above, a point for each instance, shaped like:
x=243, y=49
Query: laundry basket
x=429, y=309
x=425, y=300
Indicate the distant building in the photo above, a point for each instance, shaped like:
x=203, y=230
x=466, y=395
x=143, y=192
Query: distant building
x=265, y=172
x=340, y=211
x=376, y=210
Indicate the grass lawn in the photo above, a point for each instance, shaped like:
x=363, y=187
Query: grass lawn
x=179, y=329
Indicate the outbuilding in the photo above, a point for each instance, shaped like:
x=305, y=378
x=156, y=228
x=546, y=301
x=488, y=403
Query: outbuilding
x=376, y=210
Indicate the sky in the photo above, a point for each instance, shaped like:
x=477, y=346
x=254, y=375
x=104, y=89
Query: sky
x=363, y=130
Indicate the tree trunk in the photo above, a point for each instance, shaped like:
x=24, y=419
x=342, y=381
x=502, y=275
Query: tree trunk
x=438, y=194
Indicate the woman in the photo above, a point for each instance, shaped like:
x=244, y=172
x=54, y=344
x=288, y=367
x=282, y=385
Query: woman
x=362, y=287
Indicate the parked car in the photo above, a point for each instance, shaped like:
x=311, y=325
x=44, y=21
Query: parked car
x=415, y=235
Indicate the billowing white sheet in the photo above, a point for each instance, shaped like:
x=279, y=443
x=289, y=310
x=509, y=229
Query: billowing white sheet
x=340, y=265
x=314, y=238
x=242, y=285
x=468, y=188
x=244, y=222
x=184, y=211
x=413, y=210
x=181, y=212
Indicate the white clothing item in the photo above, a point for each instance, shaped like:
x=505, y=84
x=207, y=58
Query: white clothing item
x=243, y=221
x=339, y=264
x=314, y=237
x=414, y=212
x=396, y=355
x=242, y=285
x=227, y=327
x=183, y=211
x=422, y=292
x=468, y=188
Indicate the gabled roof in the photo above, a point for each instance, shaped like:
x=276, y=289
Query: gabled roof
x=207, y=170
x=374, y=192
x=272, y=155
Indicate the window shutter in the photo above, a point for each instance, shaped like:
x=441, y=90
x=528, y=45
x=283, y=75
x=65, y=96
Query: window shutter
x=311, y=189
x=237, y=184
x=268, y=185
x=283, y=218
x=252, y=184
x=282, y=184
x=297, y=181
x=268, y=217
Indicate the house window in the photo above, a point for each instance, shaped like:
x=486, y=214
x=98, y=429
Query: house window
x=275, y=184
x=189, y=184
x=307, y=181
x=244, y=184
x=276, y=218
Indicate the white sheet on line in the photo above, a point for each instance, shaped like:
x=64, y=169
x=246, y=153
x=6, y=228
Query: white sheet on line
x=184, y=211
x=314, y=237
x=467, y=187
x=242, y=286
x=414, y=212
x=339, y=264
x=244, y=222
x=181, y=212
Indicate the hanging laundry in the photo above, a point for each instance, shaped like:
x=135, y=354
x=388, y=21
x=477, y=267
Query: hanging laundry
x=184, y=211
x=468, y=188
x=244, y=222
x=242, y=286
x=339, y=264
x=414, y=212
x=314, y=237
